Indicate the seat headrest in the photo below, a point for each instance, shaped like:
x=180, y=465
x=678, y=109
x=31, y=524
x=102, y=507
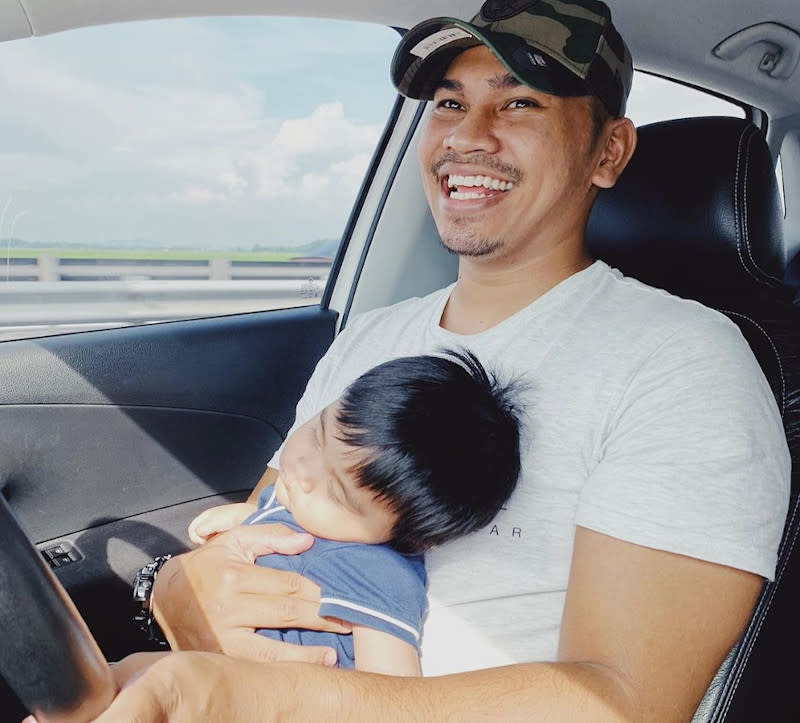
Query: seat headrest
x=696, y=212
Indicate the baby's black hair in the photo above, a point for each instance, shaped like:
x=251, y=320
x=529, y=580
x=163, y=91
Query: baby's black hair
x=443, y=437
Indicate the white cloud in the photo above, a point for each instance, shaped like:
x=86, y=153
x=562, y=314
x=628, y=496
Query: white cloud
x=313, y=153
x=326, y=151
x=324, y=129
x=336, y=183
x=95, y=151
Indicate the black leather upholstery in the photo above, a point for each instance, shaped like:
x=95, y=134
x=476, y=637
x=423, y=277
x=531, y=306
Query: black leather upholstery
x=697, y=213
x=697, y=210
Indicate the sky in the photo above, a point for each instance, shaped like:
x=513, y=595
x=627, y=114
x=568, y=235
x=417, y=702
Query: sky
x=211, y=132
x=214, y=133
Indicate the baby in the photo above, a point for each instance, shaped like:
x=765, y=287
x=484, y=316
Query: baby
x=415, y=452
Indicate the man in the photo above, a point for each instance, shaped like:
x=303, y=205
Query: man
x=648, y=420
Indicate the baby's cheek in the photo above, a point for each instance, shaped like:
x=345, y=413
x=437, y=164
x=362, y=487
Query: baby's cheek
x=311, y=520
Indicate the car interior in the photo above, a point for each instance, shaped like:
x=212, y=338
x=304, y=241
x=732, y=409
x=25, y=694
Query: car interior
x=113, y=440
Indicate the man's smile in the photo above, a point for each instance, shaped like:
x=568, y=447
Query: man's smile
x=477, y=178
x=484, y=186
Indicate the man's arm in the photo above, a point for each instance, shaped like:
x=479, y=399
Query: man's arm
x=642, y=635
x=268, y=478
x=380, y=652
x=661, y=622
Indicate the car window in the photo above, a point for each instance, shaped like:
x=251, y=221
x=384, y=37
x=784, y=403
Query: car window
x=181, y=168
x=655, y=99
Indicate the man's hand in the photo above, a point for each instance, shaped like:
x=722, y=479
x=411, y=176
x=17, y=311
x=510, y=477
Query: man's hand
x=129, y=668
x=213, y=598
x=151, y=693
x=191, y=687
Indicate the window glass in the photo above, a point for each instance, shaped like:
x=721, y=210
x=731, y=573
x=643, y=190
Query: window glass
x=181, y=168
x=655, y=99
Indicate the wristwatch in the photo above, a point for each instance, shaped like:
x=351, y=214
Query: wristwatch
x=142, y=599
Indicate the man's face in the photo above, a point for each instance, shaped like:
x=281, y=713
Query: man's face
x=506, y=169
x=317, y=484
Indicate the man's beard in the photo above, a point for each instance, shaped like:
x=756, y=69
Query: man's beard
x=463, y=242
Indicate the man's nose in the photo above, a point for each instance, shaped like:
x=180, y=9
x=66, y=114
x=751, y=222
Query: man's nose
x=474, y=132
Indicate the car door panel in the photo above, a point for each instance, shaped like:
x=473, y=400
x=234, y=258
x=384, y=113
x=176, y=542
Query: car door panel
x=112, y=551
x=113, y=440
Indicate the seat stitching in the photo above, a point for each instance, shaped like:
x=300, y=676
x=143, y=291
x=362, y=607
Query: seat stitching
x=774, y=350
x=746, y=225
x=736, y=201
x=743, y=660
x=770, y=598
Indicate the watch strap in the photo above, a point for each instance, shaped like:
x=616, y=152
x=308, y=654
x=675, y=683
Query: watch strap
x=143, y=598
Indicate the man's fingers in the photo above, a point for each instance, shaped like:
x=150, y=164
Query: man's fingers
x=277, y=612
x=278, y=583
x=245, y=578
x=254, y=540
x=251, y=646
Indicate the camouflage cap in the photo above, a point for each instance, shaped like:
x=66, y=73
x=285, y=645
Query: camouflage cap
x=563, y=47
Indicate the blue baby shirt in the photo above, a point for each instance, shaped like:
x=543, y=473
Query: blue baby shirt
x=370, y=585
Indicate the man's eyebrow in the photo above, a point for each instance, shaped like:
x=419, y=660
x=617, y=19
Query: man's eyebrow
x=500, y=82
x=448, y=84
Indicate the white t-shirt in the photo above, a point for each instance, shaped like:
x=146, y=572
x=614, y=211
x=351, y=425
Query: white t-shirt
x=647, y=418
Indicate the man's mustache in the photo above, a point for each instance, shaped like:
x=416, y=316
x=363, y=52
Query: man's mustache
x=478, y=159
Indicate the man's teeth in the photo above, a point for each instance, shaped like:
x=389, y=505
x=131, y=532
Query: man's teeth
x=466, y=195
x=494, y=184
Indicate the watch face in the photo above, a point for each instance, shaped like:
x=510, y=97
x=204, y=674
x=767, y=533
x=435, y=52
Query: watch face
x=141, y=588
x=502, y=9
x=143, y=582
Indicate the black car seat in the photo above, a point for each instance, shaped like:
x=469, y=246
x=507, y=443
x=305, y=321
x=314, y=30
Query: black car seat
x=697, y=213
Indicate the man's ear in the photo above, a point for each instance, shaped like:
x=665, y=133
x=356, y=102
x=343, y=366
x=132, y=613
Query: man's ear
x=620, y=142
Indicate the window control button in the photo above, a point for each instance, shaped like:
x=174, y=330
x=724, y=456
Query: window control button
x=61, y=555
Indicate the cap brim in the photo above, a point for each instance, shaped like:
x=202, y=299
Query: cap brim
x=426, y=51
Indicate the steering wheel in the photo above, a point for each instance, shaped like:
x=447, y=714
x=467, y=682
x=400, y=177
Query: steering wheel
x=48, y=656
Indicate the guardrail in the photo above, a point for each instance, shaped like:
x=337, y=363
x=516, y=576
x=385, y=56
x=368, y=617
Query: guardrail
x=47, y=268
x=92, y=295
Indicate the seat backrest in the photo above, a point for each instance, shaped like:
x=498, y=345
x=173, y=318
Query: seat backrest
x=697, y=213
